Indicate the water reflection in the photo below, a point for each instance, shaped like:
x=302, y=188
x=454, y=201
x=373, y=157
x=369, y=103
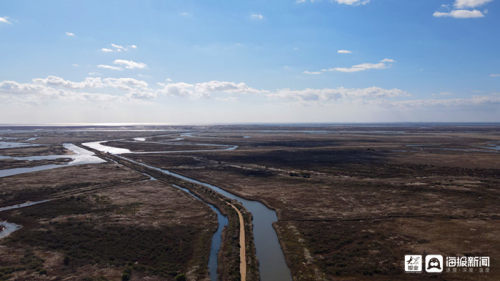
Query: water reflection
x=80, y=156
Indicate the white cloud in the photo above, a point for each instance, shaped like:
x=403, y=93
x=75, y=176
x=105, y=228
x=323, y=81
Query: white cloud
x=442, y=94
x=129, y=64
x=55, y=81
x=383, y=64
x=118, y=48
x=98, y=97
x=90, y=89
x=462, y=9
x=360, y=67
x=205, y=89
x=36, y=92
x=472, y=101
x=115, y=48
x=70, y=34
x=460, y=14
x=257, y=16
x=312, y=72
x=14, y=88
x=470, y=3
x=495, y=75
x=353, y=2
x=119, y=88
x=341, y=93
x=110, y=67
x=5, y=20
x=120, y=64
x=126, y=83
x=75, y=65
x=92, y=83
x=344, y=52
x=58, y=87
x=101, y=93
x=185, y=14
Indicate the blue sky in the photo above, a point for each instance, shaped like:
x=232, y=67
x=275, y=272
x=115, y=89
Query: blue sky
x=184, y=61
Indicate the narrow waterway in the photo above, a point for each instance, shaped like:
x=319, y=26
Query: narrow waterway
x=221, y=219
x=6, y=144
x=6, y=228
x=101, y=146
x=22, y=205
x=216, y=238
x=272, y=264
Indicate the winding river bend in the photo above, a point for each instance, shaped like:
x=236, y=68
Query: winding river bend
x=272, y=265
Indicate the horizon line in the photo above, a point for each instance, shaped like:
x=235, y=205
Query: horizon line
x=118, y=124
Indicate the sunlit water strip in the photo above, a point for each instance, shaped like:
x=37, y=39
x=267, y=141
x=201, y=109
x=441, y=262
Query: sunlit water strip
x=80, y=157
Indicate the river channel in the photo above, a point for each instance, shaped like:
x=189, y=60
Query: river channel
x=272, y=265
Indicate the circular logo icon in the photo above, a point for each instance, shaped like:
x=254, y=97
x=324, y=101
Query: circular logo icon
x=434, y=263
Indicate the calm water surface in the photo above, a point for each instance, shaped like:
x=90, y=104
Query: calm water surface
x=80, y=156
x=216, y=238
x=272, y=265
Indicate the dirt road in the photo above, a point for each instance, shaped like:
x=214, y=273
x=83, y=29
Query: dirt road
x=243, y=259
